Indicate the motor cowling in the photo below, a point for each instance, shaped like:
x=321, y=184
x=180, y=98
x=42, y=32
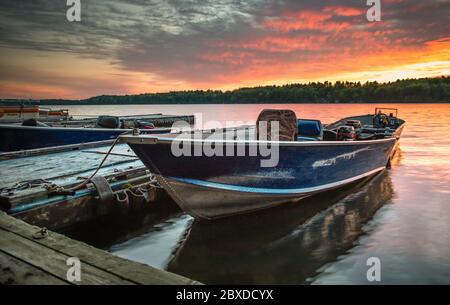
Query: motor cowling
x=380, y=120
x=107, y=121
x=346, y=133
x=34, y=123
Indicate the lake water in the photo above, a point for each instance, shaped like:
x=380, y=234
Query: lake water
x=401, y=217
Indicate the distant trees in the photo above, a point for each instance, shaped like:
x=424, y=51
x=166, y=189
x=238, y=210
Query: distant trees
x=402, y=91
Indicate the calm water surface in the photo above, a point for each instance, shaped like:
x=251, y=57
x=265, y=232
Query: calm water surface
x=401, y=216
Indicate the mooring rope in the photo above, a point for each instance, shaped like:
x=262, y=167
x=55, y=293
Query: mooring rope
x=53, y=188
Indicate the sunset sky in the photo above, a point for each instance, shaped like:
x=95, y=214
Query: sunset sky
x=138, y=46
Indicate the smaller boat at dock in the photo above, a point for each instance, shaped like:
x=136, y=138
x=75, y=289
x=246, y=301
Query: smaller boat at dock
x=34, y=134
x=20, y=113
x=229, y=176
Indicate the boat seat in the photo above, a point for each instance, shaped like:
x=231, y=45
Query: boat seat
x=309, y=129
x=287, y=120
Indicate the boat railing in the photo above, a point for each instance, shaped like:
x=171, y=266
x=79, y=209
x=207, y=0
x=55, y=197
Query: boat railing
x=379, y=109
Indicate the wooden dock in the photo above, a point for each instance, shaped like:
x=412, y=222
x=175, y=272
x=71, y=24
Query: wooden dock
x=28, y=206
x=24, y=186
x=27, y=260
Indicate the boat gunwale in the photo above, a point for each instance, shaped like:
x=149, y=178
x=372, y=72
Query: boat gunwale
x=9, y=126
x=153, y=139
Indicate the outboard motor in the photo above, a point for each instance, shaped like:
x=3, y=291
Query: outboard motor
x=346, y=133
x=34, y=123
x=380, y=120
x=393, y=121
x=107, y=121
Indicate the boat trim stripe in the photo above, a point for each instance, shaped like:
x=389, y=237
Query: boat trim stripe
x=246, y=189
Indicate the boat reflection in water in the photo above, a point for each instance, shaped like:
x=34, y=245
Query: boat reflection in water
x=286, y=245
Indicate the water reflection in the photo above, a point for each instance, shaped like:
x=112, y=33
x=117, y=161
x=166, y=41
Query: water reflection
x=283, y=245
x=155, y=247
x=106, y=232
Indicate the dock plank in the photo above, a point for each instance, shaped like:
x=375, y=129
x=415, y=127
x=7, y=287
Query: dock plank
x=119, y=270
x=14, y=271
x=53, y=262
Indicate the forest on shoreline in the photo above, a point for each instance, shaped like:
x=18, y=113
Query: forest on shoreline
x=424, y=90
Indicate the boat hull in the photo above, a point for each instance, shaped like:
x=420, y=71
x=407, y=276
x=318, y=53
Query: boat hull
x=214, y=202
x=219, y=186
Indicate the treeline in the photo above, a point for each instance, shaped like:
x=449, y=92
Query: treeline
x=425, y=90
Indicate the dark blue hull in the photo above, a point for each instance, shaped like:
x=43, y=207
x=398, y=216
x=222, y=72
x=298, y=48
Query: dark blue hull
x=14, y=138
x=210, y=187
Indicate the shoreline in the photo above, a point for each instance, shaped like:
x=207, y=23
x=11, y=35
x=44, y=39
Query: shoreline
x=71, y=103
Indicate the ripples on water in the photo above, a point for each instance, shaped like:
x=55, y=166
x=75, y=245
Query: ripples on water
x=401, y=216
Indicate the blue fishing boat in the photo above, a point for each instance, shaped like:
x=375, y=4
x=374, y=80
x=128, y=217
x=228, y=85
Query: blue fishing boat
x=312, y=158
x=32, y=134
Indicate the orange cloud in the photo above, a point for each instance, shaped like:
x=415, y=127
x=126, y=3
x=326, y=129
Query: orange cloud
x=346, y=11
x=272, y=43
x=304, y=20
x=313, y=20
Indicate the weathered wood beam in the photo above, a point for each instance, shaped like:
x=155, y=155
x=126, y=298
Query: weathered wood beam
x=49, y=255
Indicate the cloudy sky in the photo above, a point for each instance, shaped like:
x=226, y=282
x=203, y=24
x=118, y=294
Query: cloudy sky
x=137, y=46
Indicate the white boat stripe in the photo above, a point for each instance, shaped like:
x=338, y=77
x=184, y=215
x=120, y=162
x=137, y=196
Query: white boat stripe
x=300, y=191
